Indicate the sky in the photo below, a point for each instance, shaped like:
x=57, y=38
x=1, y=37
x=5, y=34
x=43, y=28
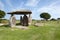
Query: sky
x=36, y=6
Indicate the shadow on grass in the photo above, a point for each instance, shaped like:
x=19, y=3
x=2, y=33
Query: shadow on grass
x=5, y=26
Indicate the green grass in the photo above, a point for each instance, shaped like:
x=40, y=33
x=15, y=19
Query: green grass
x=50, y=31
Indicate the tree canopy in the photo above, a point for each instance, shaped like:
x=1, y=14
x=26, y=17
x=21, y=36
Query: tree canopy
x=45, y=15
x=2, y=14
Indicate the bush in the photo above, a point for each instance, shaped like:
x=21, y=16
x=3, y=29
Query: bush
x=53, y=19
x=0, y=20
x=58, y=18
x=3, y=21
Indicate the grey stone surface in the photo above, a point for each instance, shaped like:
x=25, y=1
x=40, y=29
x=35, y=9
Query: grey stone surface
x=12, y=21
x=30, y=19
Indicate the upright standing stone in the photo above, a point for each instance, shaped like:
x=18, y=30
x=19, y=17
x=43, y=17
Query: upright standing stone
x=30, y=19
x=21, y=20
x=12, y=22
x=25, y=20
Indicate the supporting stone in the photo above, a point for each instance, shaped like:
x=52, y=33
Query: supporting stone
x=30, y=19
x=21, y=20
x=12, y=22
x=25, y=20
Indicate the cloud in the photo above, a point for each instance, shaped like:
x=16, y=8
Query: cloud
x=1, y=5
x=54, y=3
x=18, y=7
x=53, y=9
x=49, y=7
x=8, y=2
x=32, y=2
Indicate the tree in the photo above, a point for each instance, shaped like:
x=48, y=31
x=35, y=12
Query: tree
x=45, y=15
x=2, y=14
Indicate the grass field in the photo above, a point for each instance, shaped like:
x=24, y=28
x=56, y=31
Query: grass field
x=50, y=31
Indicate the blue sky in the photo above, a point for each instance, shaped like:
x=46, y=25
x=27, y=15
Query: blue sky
x=36, y=6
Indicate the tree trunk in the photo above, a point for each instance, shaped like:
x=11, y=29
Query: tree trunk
x=0, y=20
